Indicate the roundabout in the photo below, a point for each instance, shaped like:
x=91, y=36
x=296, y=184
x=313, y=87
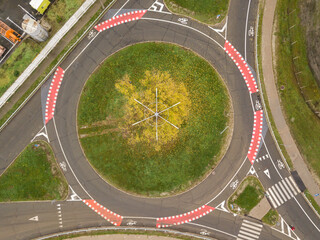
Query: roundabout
x=154, y=129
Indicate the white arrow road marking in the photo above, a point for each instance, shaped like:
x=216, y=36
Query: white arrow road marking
x=267, y=173
x=35, y=218
x=221, y=207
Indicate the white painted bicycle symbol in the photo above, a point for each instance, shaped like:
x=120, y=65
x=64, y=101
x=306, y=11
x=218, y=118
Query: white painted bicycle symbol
x=258, y=105
x=183, y=20
x=234, y=184
x=251, y=31
x=204, y=232
x=91, y=34
x=280, y=164
x=63, y=166
x=131, y=223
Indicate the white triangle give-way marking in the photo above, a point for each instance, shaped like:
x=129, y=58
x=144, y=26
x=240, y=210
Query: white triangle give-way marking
x=221, y=207
x=267, y=173
x=35, y=218
x=223, y=29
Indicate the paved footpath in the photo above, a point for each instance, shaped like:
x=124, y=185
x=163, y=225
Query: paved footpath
x=274, y=102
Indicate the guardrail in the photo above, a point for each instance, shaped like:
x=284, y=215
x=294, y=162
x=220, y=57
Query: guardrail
x=46, y=50
x=57, y=64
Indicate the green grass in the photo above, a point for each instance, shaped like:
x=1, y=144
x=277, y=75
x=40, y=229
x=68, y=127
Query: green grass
x=17, y=63
x=205, y=11
x=126, y=232
x=312, y=201
x=49, y=68
x=266, y=101
x=58, y=13
x=141, y=169
x=34, y=175
x=271, y=217
x=247, y=196
x=304, y=125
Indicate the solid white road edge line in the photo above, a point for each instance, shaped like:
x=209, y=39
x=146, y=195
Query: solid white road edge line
x=186, y=26
x=65, y=157
x=93, y=39
x=307, y=215
x=265, y=145
x=245, y=159
x=245, y=35
x=214, y=229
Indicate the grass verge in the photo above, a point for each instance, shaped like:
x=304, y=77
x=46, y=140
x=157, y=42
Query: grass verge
x=58, y=13
x=271, y=217
x=304, y=124
x=140, y=168
x=266, y=101
x=50, y=67
x=247, y=196
x=206, y=11
x=34, y=175
x=312, y=201
x=126, y=232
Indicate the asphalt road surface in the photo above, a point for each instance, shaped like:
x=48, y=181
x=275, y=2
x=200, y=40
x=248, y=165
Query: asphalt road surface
x=201, y=210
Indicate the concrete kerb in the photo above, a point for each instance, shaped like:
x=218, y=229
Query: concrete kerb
x=89, y=230
x=52, y=70
x=47, y=49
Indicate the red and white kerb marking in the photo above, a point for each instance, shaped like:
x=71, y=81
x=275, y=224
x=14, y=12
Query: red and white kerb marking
x=110, y=216
x=185, y=217
x=256, y=136
x=53, y=94
x=117, y=20
x=243, y=67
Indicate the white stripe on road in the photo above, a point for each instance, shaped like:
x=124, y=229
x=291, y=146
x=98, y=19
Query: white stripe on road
x=280, y=192
x=244, y=237
x=284, y=190
x=248, y=234
x=246, y=226
x=249, y=230
x=252, y=223
x=294, y=184
x=277, y=194
x=274, y=197
x=290, y=186
x=287, y=187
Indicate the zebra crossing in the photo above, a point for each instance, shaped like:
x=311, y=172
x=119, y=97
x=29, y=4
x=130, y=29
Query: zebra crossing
x=282, y=191
x=249, y=230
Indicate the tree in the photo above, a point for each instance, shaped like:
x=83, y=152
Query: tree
x=141, y=98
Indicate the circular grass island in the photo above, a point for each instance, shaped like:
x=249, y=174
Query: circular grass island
x=152, y=119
